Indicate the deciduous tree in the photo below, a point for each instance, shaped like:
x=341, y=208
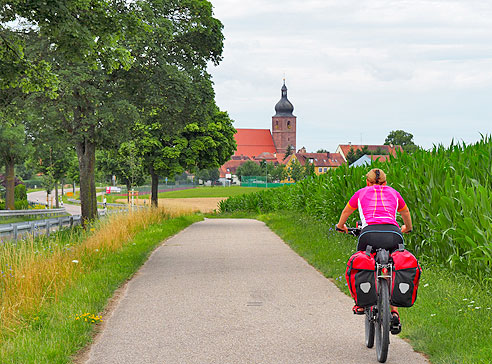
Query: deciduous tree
x=402, y=138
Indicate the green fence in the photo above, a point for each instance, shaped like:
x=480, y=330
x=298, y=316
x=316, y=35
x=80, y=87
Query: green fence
x=258, y=181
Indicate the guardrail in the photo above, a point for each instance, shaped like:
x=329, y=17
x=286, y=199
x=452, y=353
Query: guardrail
x=37, y=227
x=11, y=213
x=122, y=205
x=14, y=231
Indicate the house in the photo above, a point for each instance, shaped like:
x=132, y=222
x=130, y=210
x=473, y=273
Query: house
x=322, y=162
x=344, y=149
x=367, y=160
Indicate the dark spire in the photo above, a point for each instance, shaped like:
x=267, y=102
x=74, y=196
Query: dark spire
x=284, y=107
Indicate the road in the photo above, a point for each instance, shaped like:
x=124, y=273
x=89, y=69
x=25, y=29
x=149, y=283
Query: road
x=231, y=291
x=40, y=196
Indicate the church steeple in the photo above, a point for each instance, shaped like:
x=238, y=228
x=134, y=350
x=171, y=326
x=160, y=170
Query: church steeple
x=284, y=107
x=284, y=123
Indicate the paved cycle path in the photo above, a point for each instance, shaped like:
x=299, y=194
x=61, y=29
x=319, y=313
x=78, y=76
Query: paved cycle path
x=231, y=291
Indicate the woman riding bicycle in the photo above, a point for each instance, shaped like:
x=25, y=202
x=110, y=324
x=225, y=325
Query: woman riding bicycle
x=378, y=204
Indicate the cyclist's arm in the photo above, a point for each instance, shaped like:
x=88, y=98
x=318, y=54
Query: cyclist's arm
x=407, y=220
x=347, y=211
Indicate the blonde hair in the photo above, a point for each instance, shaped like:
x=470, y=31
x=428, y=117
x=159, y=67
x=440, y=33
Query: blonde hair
x=376, y=176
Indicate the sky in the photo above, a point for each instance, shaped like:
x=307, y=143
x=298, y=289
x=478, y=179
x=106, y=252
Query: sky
x=357, y=69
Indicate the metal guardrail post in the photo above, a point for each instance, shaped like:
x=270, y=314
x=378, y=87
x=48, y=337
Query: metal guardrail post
x=48, y=226
x=15, y=232
x=71, y=222
x=31, y=227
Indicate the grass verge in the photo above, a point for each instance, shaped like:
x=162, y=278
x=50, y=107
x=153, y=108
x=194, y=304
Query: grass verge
x=50, y=284
x=13, y=220
x=451, y=321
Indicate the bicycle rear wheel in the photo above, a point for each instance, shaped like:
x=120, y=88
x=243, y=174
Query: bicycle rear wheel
x=383, y=321
x=369, y=323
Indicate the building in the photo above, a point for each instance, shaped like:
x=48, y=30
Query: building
x=366, y=160
x=322, y=162
x=264, y=144
x=344, y=149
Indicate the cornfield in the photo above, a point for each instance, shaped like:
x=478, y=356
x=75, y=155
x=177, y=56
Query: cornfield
x=448, y=191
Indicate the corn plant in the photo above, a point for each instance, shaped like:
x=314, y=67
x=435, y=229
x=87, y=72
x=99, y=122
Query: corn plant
x=448, y=191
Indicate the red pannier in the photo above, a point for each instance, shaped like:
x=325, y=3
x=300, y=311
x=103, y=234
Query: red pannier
x=406, y=276
x=361, y=278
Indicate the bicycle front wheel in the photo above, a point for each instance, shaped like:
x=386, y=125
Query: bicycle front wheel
x=383, y=321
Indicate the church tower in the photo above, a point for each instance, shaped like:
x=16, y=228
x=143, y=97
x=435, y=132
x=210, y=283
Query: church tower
x=284, y=124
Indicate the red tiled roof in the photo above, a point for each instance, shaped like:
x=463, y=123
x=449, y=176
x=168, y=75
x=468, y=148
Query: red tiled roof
x=380, y=157
x=231, y=166
x=266, y=156
x=345, y=148
x=321, y=159
x=253, y=142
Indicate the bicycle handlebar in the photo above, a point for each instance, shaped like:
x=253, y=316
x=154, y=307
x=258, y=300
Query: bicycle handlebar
x=353, y=231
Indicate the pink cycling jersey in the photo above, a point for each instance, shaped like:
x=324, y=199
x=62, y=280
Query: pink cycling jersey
x=377, y=204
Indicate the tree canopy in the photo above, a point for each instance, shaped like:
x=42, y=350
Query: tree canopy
x=113, y=74
x=403, y=138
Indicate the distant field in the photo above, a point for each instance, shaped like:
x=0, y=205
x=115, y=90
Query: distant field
x=215, y=191
x=198, y=192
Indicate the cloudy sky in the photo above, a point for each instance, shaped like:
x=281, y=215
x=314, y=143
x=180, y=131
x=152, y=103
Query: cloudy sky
x=357, y=69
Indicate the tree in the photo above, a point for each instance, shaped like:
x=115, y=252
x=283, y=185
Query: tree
x=210, y=174
x=322, y=151
x=279, y=172
x=351, y=156
x=296, y=171
x=402, y=138
x=288, y=151
x=13, y=150
x=80, y=41
x=83, y=31
x=125, y=163
x=169, y=83
x=248, y=168
x=309, y=170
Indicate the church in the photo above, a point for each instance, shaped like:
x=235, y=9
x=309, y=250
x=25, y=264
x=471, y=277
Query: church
x=265, y=144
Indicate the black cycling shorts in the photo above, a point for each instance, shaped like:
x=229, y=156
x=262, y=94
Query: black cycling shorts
x=386, y=236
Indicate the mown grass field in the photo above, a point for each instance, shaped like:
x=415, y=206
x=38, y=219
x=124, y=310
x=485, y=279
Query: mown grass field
x=49, y=287
x=198, y=192
x=451, y=322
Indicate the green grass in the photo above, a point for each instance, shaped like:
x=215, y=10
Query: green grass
x=53, y=335
x=12, y=220
x=444, y=323
x=216, y=191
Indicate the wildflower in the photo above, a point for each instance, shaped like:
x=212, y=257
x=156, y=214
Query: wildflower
x=426, y=285
x=478, y=308
x=433, y=314
x=75, y=261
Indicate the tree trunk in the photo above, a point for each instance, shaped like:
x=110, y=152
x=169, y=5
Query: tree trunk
x=10, y=184
x=86, y=154
x=128, y=187
x=154, y=200
x=62, y=191
x=57, y=202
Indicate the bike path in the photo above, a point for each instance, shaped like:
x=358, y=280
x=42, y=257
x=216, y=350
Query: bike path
x=231, y=291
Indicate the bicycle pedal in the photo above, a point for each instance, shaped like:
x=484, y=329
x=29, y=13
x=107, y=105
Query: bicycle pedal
x=395, y=326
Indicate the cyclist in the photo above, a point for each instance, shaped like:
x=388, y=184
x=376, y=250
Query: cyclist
x=378, y=204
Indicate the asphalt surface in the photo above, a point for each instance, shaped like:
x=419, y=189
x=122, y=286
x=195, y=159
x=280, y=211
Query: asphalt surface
x=231, y=291
x=40, y=196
